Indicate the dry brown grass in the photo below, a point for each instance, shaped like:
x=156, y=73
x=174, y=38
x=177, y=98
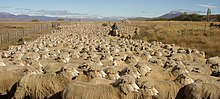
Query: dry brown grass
x=18, y=26
x=28, y=37
x=196, y=35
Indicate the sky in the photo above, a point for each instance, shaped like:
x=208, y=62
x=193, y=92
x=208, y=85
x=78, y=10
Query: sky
x=125, y=8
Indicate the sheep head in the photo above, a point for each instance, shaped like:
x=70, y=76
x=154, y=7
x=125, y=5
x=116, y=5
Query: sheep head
x=131, y=59
x=70, y=73
x=184, y=79
x=178, y=69
x=143, y=69
x=130, y=71
x=126, y=84
x=112, y=74
x=26, y=70
x=149, y=89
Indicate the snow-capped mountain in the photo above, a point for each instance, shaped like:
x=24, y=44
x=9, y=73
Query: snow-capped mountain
x=171, y=14
x=178, y=12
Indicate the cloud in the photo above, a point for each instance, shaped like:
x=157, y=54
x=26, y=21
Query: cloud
x=24, y=9
x=57, y=12
x=149, y=12
x=191, y=11
x=144, y=12
x=47, y=12
x=206, y=6
x=5, y=7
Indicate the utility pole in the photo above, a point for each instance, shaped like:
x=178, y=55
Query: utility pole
x=208, y=14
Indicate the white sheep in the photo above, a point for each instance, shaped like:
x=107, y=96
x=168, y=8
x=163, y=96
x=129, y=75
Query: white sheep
x=142, y=68
x=9, y=75
x=44, y=85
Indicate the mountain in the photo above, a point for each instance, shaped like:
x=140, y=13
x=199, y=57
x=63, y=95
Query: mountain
x=6, y=15
x=178, y=12
x=172, y=14
x=23, y=17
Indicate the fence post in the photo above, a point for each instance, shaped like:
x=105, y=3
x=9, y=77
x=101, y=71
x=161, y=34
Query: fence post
x=0, y=39
x=16, y=34
x=23, y=31
x=8, y=37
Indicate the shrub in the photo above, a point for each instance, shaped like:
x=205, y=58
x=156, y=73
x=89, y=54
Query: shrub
x=34, y=20
x=61, y=19
x=104, y=24
x=218, y=17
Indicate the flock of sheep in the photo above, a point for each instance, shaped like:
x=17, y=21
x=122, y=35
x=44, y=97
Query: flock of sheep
x=81, y=61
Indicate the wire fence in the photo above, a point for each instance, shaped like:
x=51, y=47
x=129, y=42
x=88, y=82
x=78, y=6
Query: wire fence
x=13, y=33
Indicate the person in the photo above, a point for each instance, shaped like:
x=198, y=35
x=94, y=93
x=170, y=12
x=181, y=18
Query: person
x=114, y=31
x=114, y=27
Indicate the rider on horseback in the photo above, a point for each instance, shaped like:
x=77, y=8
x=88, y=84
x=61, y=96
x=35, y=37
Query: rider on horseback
x=114, y=31
x=114, y=27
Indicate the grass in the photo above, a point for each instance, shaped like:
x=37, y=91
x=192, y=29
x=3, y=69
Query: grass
x=197, y=35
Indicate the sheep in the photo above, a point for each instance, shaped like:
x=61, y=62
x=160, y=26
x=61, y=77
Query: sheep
x=37, y=65
x=161, y=89
x=106, y=57
x=6, y=54
x=101, y=81
x=112, y=73
x=183, y=79
x=130, y=71
x=94, y=72
x=142, y=69
x=1, y=62
x=44, y=85
x=147, y=89
x=179, y=69
x=199, y=90
x=126, y=84
x=63, y=57
x=31, y=55
x=85, y=90
x=9, y=75
x=17, y=56
x=214, y=62
x=122, y=88
x=19, y=63
x=131, y=59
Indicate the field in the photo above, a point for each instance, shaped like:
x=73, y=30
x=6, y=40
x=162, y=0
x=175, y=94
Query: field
x=83, y=57
x=12, y=32
x=197, y=35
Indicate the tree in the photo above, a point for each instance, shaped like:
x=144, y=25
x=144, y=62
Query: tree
x=35, y=20
x=61, y=19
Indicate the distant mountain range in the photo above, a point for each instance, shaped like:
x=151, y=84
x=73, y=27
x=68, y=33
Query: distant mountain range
x=181, y=15
x=4, y=16
x=172, y=15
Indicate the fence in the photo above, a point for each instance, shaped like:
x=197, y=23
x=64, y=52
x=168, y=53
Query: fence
x=15, y=33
